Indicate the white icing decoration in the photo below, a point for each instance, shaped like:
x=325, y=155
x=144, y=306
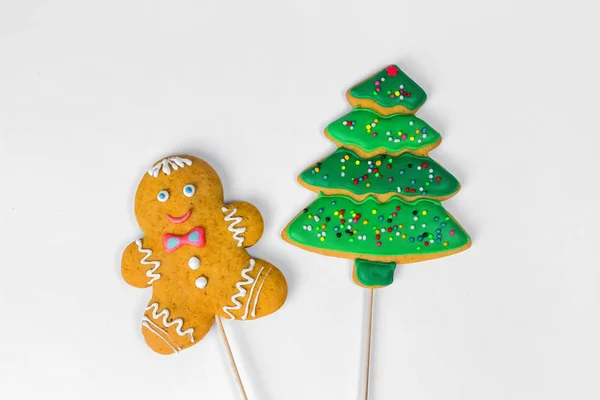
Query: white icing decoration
x=151, y=272
x=241, y=291
x=168, y=163
x=201, y=282
x=235, y=220
x=146, y=322
x=145, y=325
x=258, y=293
x=252, y=291
x=177, y=322
x=194, y=263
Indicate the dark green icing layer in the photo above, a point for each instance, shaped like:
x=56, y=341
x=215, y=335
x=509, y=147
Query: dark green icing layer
x=407, y=174
x=391, y=87
x=370, y=228
x=373, y=273
x=370, y=131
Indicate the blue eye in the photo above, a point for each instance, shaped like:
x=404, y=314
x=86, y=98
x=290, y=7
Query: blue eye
x=189, y=190
x=163, y=196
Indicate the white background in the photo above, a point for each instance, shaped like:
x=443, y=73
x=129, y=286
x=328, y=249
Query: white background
x=93, y=92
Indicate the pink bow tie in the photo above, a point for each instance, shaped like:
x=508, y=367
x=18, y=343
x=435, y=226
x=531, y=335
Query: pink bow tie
x=195, y=237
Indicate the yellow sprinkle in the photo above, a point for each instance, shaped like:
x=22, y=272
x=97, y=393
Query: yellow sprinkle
x=404, y=236
x=347, y=157
x=412, y=139
x=323, y=226
x=374, y=211
x=445, y=243
x=322, y=239
x=400, y=226
x=377, y=232
x=317, y=169
x=399, y=133
x=424, y=212
x=365, y=222
x=357, y=162
x=378, y=163
x=397, y=93
x=309, y=216
x=335, y=213
x=417, y=131
x=368, y=126
x=368, y=184
x=376, y=120
x=343, y=167
x=355, y=231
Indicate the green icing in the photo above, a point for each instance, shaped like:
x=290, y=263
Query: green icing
x=391, y=87
x=370, y=228
x=407, y=174
x=370, y=131
x=373, y=273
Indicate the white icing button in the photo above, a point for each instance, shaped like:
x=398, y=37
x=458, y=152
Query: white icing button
x=194, y=263
x=201, y=282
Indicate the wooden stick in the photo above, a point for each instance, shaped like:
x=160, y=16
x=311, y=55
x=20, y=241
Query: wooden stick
x=369, y=332
x=234, y=367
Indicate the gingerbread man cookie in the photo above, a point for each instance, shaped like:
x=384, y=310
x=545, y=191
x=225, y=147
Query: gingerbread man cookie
x=194, y=257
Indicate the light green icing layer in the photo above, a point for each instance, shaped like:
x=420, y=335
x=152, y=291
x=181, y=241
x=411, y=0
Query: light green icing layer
x=373, y=273
x=406, y=174
x=391, y=87
x=370, y=131
x=369, y=228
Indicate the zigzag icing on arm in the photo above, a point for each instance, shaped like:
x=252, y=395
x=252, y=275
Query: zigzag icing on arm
x=241, y=290
x=151, y=272
x=234, y=221
x=177, y=322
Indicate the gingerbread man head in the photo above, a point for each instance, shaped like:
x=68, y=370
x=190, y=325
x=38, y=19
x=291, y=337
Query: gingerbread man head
x=193, y=255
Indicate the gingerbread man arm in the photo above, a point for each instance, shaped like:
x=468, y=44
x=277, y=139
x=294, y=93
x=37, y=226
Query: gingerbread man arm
x=244, y=222
x=137, y=266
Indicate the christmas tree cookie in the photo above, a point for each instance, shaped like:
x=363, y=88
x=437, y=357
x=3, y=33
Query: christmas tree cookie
x=380, y=192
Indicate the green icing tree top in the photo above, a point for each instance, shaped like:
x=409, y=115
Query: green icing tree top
x=389, y=88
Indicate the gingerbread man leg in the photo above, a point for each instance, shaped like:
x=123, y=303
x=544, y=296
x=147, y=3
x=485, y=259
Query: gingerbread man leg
x=261, y=290
x=166, y=332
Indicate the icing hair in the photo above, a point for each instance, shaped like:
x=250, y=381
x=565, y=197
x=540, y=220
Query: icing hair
x=166, y=164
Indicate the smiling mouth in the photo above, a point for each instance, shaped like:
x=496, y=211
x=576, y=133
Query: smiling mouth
x=180, y=220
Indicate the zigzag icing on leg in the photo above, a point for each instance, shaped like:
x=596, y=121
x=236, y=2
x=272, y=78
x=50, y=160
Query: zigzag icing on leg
x=177, y=322
x=241, y=290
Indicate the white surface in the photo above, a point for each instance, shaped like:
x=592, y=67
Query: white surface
x=91, y=93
